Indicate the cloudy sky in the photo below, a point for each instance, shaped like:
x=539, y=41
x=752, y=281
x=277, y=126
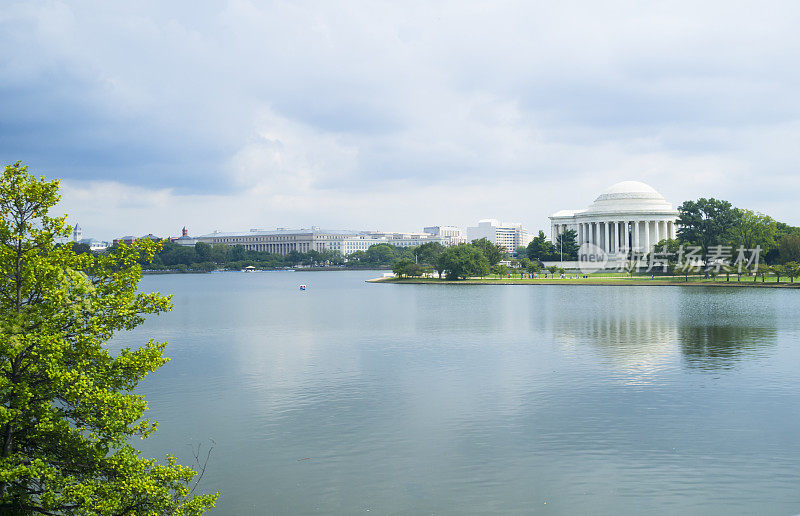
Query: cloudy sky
x=367, y=115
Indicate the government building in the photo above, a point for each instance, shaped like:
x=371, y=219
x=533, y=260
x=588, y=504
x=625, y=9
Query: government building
x=283, y=241
x=627, y=216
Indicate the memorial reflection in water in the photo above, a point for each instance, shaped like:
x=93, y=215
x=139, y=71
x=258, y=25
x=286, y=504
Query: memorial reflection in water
x=641, y=333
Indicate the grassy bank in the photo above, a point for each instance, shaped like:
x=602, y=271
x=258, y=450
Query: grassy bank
x=606, y=280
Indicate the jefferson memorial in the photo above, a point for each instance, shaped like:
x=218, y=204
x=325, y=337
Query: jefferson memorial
x=627, y=216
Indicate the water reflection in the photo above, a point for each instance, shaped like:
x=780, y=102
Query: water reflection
x=643, y=330
x=720, y=328
x=722, y=347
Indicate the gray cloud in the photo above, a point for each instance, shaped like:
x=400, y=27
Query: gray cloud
x=320, y=101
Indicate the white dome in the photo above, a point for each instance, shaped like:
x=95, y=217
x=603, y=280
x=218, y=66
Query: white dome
x=625, y=198
x=626, y=187
x=630, y=196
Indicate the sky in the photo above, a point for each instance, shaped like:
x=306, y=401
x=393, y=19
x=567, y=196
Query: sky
x=230, y=115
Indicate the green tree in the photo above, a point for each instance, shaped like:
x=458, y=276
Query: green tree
x=203, y=251
x=331, y=257
x=170, y=254
x=705, y=222
x=501, y=270
x=541, y=249
x=379, y=255
x=493, y=252
x=568, y=243
x=68, y=410
x=667, y=252
x=312, y=258
x=792, y=270
x=779, y=270
x=429, y=252
x=534, y=267
x=401, y=267
x=524, y=266
x=294, y=257
x=789, y=248
x=81, y=248
x=220, y=253
x=751, y=229
x=462, y=261
x=238, y=253
x=741, y=270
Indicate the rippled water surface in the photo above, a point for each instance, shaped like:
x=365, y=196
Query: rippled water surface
x=426, y=399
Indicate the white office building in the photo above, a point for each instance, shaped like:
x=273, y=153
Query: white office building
x=508, y=235
x=455, y=234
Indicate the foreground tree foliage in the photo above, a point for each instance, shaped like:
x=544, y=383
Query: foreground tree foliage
x=68, y=409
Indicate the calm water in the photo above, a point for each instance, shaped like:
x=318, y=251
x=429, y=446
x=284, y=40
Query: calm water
x=411, y=399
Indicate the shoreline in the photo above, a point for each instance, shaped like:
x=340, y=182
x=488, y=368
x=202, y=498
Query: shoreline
x=290, y=269
x=608, y=282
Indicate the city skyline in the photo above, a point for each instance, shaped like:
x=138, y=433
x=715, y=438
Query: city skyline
x=232, y=115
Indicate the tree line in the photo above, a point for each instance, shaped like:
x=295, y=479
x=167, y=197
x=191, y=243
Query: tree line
x=207, y=257
x=478, y=258
x=711, y=225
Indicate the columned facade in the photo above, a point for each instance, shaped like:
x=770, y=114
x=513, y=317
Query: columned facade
x=629, y=216
x=620, y=235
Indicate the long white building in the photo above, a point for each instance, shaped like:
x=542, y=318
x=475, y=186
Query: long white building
x=627, y=216
x=283, y=241
x=508, y=235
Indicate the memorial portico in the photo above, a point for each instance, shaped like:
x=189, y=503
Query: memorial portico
x=627, y=216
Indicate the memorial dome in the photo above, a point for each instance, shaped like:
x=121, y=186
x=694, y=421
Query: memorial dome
x=628, y=187
x=629, y=196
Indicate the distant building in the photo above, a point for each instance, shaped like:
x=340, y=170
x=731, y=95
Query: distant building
x=507, y=235
x=127, y=240
x=283, y=241
x=94, y=245
x=77, y=233
x=455, y=234
x=184, y=239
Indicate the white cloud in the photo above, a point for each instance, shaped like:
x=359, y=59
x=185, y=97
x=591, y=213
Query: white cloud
x=234, y=114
